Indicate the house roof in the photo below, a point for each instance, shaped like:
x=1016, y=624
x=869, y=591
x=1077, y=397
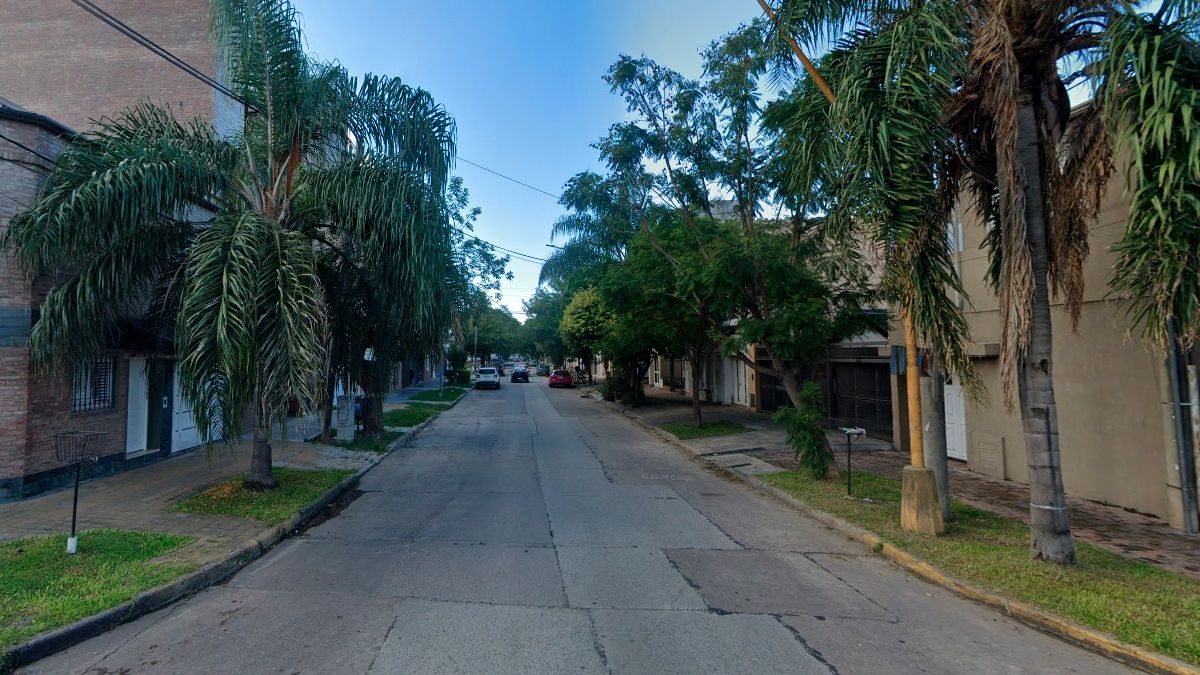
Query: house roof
x=14, y=112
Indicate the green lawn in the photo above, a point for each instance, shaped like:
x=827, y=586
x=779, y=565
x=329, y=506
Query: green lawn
x=445, y=395
x=297, y=489
x=1138, y=602
x=368, y=444
x=686, y=430
x=410, y=415
x=41, y=587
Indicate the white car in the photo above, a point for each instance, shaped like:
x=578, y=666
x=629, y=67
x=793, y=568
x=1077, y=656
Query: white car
x=487, y=378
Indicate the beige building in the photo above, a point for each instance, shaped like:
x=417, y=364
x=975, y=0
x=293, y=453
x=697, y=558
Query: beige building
x=1113, y=391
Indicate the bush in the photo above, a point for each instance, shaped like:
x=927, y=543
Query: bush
x=806, y=433
x=460, y=376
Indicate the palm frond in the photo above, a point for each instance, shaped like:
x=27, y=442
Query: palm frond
x=1150, y=92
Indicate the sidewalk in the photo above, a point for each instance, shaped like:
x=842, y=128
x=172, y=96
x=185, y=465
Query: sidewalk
x=765, y=449
x=432, y=384
x=138, y=499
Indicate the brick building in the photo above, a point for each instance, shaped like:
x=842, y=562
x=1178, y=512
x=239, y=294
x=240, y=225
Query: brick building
x=65, y=68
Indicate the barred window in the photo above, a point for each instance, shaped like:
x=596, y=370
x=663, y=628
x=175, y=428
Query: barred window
x=92, y=385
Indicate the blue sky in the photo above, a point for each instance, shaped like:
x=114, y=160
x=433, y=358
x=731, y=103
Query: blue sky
x=522, y=78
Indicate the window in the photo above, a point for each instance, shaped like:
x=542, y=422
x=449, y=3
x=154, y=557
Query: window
x=92, y=385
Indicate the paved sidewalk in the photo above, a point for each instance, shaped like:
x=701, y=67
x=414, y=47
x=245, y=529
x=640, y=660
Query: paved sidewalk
x=765, y=448
x=138, y=499
x=432, y=384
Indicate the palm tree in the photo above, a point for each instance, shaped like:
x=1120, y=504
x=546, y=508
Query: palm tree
x=222, y=235
x=1001, y=67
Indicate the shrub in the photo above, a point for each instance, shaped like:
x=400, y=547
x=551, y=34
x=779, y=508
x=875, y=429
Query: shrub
x=805, y=431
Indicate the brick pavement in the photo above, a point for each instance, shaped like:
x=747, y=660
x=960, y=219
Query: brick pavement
x=139, y=499
x=1135, y=535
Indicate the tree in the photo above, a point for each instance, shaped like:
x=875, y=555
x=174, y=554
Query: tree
x=492, y=330
x=543, y=314
x=707, y=138
x=327, y=165
x=995, y=72
x=585, y=325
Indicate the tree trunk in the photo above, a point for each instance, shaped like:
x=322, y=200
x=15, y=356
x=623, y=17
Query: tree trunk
x=1050, y=526
x=260, y=457
x=327, y=409
x=372, y=414
x=697, y=417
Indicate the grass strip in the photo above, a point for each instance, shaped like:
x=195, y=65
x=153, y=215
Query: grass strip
x=371, y=444
x=1138, y=602
x=297, y=489
x=410, y=415
x=686, y=430
x=443, y=395
x=42, y=587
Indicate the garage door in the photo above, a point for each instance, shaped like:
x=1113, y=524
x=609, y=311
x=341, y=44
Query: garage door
x=860, y=395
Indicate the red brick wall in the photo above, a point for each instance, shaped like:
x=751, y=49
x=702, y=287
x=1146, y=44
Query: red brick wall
x=50, y=413
x=62, y=62
x=19, y=185
x=14, y=393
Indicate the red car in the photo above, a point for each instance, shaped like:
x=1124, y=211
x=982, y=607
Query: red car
x=561, y=378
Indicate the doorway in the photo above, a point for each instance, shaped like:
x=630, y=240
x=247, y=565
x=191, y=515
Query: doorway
x=956, y=422
x=160, y=381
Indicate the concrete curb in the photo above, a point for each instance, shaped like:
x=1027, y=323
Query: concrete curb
x=45, y=644
x=1089, y=638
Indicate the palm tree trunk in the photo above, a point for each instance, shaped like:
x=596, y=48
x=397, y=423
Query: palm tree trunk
x=260, y=456
x=1050, y=526
x=327, y=409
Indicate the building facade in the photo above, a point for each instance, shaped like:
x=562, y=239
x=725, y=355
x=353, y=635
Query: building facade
x=1112, y=390
x=65, y=68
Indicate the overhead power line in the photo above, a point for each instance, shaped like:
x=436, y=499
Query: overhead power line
x=491, y=171
x=26, y=148
x=14, y=200
x=28, y=166
x=522, y=256
x=128, y=31
x=191, y=70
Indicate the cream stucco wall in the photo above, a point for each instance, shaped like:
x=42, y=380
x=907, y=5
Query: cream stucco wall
x=1115, y=434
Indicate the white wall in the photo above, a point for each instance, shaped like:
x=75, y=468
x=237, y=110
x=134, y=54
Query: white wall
x=136, y=404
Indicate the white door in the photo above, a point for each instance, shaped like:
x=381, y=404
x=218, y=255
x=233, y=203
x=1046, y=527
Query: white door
x=184, y=434
x=956, y=422
x=136, y=407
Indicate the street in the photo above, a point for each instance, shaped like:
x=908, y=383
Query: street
x=531, y=530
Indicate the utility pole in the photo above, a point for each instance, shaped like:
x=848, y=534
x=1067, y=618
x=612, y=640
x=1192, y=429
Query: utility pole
x=475, y=351
x=920, y=509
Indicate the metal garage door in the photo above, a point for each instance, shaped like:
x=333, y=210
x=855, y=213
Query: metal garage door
x=860, y=395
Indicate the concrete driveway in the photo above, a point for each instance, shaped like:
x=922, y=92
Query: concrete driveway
x=532, y=531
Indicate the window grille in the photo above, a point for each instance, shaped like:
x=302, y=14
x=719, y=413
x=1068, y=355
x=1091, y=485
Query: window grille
x=92, y=385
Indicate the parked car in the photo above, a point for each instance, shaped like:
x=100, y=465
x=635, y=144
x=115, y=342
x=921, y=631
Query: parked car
x=543, y=371
x=561, y=378
x=520, y=374
x=488, y=378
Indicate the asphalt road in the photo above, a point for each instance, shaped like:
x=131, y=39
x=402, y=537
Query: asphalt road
x=531, y=531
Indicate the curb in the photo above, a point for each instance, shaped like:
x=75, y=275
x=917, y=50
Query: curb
x=1089, y=638
x=58, y=639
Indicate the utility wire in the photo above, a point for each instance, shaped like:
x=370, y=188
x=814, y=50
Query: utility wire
x=162, y=52
x=522, y=256
x=28, y=166
x=480, y=166
x=14, y=200
x=191, y=70
x=27, y=148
